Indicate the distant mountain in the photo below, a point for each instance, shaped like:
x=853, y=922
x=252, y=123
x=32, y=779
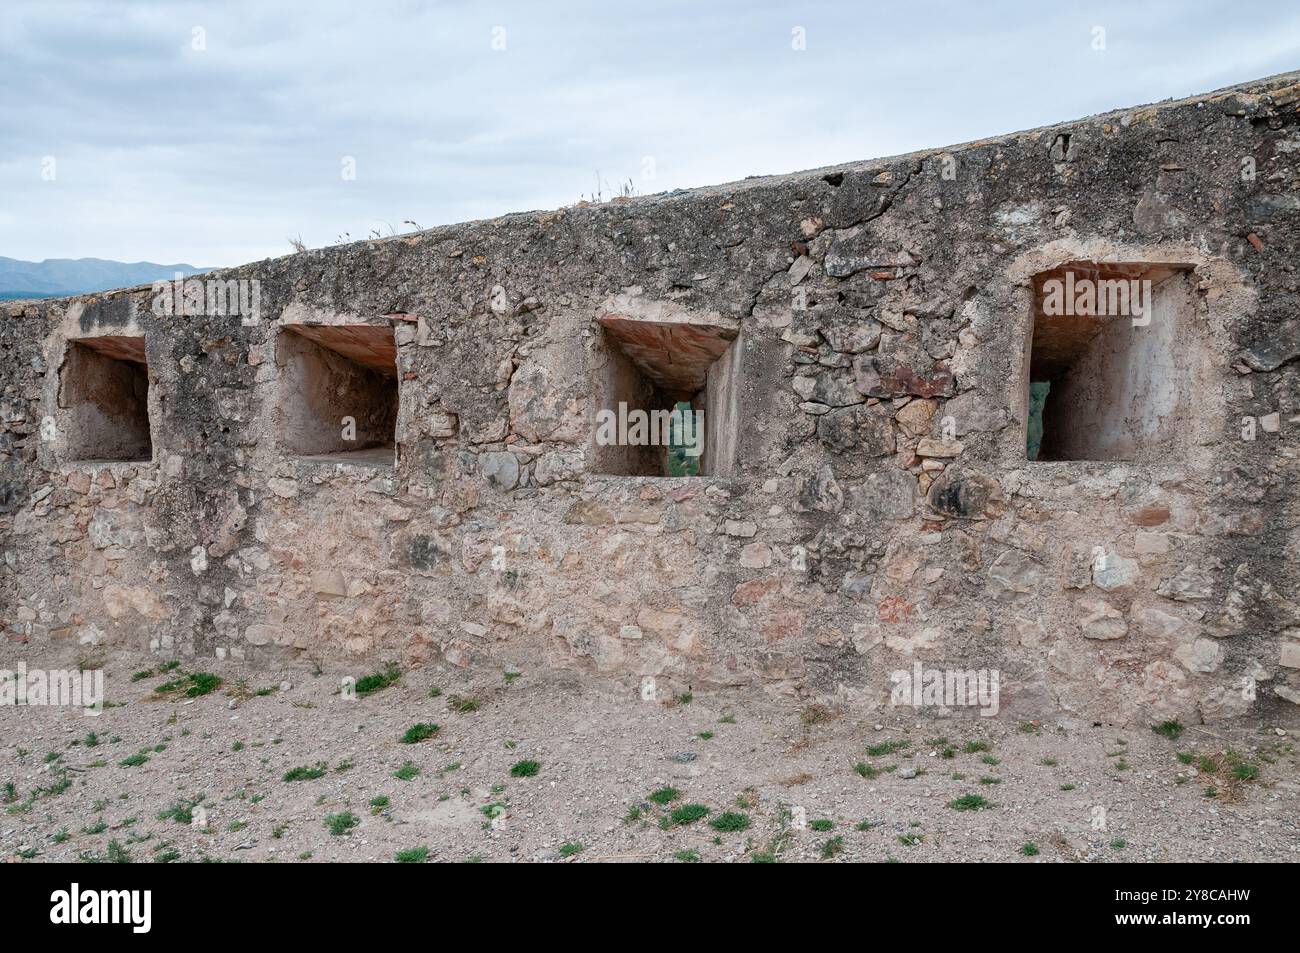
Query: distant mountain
x=55, y=277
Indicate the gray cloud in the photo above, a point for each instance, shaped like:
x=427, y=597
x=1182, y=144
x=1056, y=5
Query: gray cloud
x=216, y=155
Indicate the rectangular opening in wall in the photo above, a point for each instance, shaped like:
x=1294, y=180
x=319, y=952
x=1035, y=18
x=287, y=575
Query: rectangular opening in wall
x=664, y=395
x=1116, y=360
x=338, y=392
x=104, y=399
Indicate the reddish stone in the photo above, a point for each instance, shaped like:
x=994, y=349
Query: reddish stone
x=751, y=593
x=1149, y=516
x=885, y=377
x=782, y=625
x=894, y=609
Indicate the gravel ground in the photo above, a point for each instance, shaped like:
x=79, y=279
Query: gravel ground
x=1104, y=793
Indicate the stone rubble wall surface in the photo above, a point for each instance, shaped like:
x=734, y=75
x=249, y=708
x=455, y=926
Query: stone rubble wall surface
x=847, y=540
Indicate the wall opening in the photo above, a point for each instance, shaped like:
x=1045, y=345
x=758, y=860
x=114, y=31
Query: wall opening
x=338, y=392
x=1117, y=357
x=104, y=396
x=666, y=397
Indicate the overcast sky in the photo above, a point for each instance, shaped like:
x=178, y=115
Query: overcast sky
x=209, y=133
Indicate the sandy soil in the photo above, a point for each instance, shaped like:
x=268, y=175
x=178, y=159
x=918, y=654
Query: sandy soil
x=1104, y=794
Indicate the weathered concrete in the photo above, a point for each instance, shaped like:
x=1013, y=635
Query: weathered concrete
x=867, y=503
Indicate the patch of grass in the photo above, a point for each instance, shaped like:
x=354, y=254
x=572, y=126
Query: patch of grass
x=688, y=856
x=665, y=796
x=831, y=847
x=970, y=802
x=990, y=760
x=948, y=752
x=989, y=780
x=377, y=804
x=974, y=747
x=377, y=681
x=910, y=839
x=414, y=855
x=181, y=812
x=685, y=698
x=237, y=746
x=886, y=747
x=435, y=692
x=1067, y=787
x=341, y=823
x=1048, y=762
x=1170, y=729
x=98, y=827
x=141, y=676
x=727, y=720
x=418, y=732
x=304, y=773
x=633, y=814
x=568, y=849
x=1029, y=849
x=407, y=772
x=194, y=685
x=1229, y=766
x=705, y=735
x=463, y=704
x=868, y=771
x=524, y=769
x=821, y=824
x=1185, y=757
x=730, y=822
x=1245, y=771
x=687, y=814
x=58, y=787
x=135, y=760
x=1118, y=843
x=115, y=854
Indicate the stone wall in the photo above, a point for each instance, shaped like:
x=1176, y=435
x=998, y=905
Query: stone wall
x=868, y=501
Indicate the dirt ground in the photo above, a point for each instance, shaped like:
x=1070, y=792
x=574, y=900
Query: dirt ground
x=788, y=772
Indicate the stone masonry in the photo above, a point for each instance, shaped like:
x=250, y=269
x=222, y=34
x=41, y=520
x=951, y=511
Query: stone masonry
x=860, y=340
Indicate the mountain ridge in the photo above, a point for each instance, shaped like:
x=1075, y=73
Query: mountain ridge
x=59, y=277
